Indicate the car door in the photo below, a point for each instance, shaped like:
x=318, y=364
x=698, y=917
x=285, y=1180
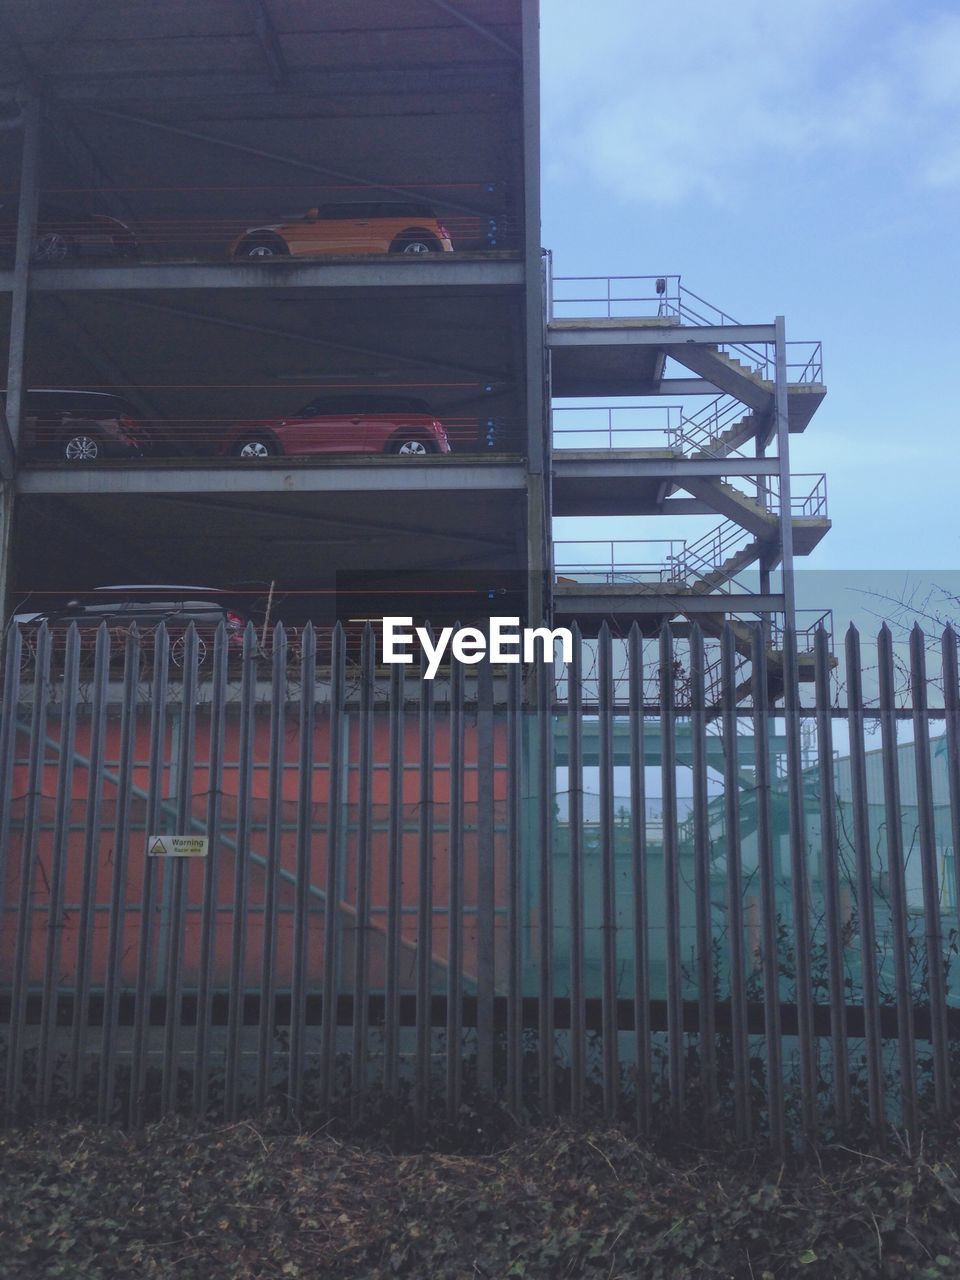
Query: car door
x=358, y=232
x=332, y=425
x=335, y=229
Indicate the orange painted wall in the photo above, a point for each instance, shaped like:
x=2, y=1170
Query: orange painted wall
x=225, y=857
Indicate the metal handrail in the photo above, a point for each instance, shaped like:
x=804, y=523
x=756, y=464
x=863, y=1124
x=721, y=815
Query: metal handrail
x=813, y=503
x=663, y=291
x=670, y=298
x=706, y=555
x=806, y=635
x=609, y=568
x=670, y=415
x=700, y=431
x=683, y=563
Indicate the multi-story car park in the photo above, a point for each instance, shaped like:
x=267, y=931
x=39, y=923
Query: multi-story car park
x=145, y=147
x=282, y=342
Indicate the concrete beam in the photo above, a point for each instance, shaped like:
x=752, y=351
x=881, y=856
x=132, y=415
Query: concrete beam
x=373, y=272
x=605, y=333
x=385, y=475
x=620, y=600
x=191, y=86
x=617, y=464
x=686, y=387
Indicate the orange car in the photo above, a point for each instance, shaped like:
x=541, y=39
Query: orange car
x=372, y=227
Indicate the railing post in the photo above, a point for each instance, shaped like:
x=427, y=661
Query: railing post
x=485, y=869
x=731, y=795
x=865, y=890
x=933, y=937
x=575, y=829
x=783, y=453
x=211, y=870
x=898, y=890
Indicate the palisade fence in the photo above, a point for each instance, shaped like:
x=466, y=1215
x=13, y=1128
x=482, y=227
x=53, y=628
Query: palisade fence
x=590, y=888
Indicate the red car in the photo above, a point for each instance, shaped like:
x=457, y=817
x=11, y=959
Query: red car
x=343, y=424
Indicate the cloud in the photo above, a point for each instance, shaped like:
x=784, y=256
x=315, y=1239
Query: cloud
x=664, y=103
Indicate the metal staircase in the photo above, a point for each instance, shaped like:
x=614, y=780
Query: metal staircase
x=716, y=558
x=642, y=337
x=717, y=430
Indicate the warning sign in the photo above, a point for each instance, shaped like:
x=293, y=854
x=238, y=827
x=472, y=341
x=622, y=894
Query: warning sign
x=178, y=846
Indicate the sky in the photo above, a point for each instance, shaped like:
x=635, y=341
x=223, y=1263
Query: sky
x=794, y=159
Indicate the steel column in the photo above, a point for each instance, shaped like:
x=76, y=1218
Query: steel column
x=781, y=415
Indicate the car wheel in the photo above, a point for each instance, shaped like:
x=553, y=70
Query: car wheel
x=178, y=651
x=254, y=448
x=81, y=448
x=411, y=447
x=261, y=249
x=52, y=246
x=415, y=244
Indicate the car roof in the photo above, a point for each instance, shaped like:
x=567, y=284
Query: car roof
x=69, y=391
x=66, y=399
x=158, y=586
x=419, y=208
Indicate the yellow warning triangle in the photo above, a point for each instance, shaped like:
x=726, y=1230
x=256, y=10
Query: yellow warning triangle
x=159, y=846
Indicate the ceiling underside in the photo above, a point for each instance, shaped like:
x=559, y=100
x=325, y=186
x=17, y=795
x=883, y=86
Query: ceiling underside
x=300, y=541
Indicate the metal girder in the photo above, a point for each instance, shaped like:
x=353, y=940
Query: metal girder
x=781, y=418
x=478, y=27
x=210, y=84
x=327, y=343
x=539, y=520
x=269, y=42
x=399, y=271
x=20, y=275
x=8, y=456
x=603, y=333
x=382, y=476
x=294, y=162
